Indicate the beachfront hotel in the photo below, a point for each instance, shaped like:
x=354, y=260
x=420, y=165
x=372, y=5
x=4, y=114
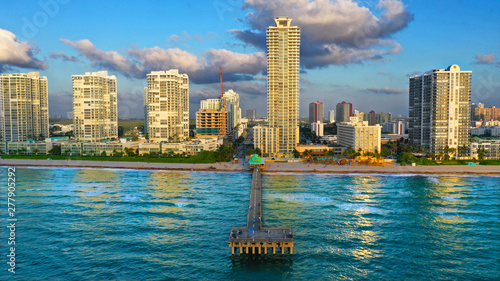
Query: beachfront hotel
x=359, y=134
x=166, y=102
x=283, y=48
x=24, y=100
x=439, y=109
x=95, y=110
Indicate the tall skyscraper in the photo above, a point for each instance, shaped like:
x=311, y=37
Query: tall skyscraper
x=439, y=109
x=332, y=116
x=166, y=101
x=251, y=114
x=283, y=48
x=95, y=109
x=344, y=112
x=316, y=112
x=25, y=106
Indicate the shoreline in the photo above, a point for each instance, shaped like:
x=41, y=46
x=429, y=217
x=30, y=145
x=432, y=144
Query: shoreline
x=271, y=167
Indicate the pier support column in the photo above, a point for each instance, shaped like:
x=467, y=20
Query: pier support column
x=233, y=249
x=274, y=250
x=241, y=250
x=291, y=250
x=260, y=250
x=282, y=250
x=265, y=250
x=248, y=249
x=253, y=249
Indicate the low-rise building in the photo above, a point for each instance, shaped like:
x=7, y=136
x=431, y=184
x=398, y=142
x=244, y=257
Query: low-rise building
x=26, y=147
x=319, y=149
x=147, y=148
x=264, y=138
x=358, y=135
x=491, y=149
x=190, y=148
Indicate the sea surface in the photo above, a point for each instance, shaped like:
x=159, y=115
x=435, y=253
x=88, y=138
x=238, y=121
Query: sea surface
x=90, y=224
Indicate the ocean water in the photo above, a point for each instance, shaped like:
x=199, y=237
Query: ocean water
x=89, y=224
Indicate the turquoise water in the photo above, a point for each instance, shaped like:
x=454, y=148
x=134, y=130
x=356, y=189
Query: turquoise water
x=86, y=224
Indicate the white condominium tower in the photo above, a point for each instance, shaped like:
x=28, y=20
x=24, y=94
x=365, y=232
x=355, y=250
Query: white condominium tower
x=439, y=109
x=24, y=107
x=95, y=109
x=283, y=46
x=166, y=100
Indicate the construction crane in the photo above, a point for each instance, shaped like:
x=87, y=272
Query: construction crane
x=223, y=101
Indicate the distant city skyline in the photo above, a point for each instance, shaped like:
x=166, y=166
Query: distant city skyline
x=367, y=64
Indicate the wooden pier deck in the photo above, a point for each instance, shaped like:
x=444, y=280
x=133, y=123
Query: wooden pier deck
x=254, y=238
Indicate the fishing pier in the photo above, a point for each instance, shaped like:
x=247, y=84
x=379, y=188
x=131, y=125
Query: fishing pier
x=256, y=239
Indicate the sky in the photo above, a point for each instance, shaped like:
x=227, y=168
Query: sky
x=356, y=51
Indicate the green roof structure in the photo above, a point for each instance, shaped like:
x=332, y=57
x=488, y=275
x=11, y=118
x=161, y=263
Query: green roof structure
x=255, y=160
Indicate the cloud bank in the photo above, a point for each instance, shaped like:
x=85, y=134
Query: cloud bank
x=17, y=53
x=333, y=32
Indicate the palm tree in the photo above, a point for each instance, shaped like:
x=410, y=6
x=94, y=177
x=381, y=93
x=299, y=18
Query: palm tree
x=464, y=150
x=453, y=151
x=481, y=153
x=446, y=151
x=296, y=153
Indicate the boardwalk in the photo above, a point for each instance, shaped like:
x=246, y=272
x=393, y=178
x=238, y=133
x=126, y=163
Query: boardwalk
x=255, y=238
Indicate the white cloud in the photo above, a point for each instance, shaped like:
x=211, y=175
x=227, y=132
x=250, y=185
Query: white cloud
x=201, y=69
x=64, y=57
x=488, y=58
x=107, y=59
x=16, y=53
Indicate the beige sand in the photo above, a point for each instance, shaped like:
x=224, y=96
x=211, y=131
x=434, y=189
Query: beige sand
x=270, y=167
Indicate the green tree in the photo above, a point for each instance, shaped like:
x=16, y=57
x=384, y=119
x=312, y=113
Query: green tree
x=56, y=150
x=464, y=150
x=481, y=154
x=446, y=152
x=296, y=153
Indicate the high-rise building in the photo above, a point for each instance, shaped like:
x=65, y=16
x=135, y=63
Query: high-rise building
x=359, y=135
x=95, y=109
x=395, y=127
x=332, y=116
x=439, y=109
x=24, y=100
x=233, y=113
x=485, y=114
x=166, y=100
x=283, y=49
x=251, y=114
x=316, y=112
x=344, y=112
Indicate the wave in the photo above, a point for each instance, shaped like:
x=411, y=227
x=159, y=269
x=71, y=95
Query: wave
x=299, y=197
x=360, y=208
x=130, y=198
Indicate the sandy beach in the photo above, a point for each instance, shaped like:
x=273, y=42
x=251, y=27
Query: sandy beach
x=272, y=167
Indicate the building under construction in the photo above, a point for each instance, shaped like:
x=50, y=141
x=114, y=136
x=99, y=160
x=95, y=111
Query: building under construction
x=211, y=122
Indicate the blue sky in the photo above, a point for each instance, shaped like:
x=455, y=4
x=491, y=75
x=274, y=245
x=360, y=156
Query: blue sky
x=357, y=51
